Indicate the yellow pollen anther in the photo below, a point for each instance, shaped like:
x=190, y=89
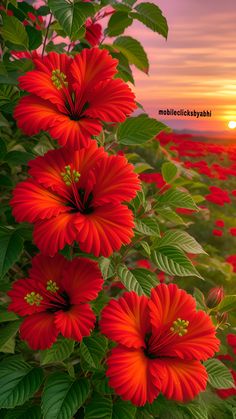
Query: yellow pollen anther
x=70, y=176
x=52, y=286
x=33, y=298
x=59, y=79
x=180, y=327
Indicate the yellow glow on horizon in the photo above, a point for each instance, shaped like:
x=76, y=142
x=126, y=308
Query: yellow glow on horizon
x=232, y=124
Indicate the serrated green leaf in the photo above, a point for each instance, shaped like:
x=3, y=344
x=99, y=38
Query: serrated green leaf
x=59, y=351
x=11, y=246
x=118, y=22
x=169, y=172
x=145, y=247
x=63, y=396
x=106, y=267
x=200, y=299
x=151, y=16
x=138, y=130
x=173, y=261
x=99, y=408
x=196, y=411
x=7, y=316
x=139, y=280
x=148, y=227
x=182, y=240
x=219, y=375
x=18, y=382
x=227, y=304
x=170, y=215
x=71, y=16
x=93, y=349
x=133, y=51
x=7, y=336
x=14, y=31
x=176, y=198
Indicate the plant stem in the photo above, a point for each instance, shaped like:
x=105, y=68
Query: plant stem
x=46, y=35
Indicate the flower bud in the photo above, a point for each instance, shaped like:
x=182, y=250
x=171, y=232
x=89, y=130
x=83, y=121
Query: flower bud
x=215, y=296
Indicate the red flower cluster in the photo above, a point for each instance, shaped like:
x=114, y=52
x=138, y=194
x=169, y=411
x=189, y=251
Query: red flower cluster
x=161, y=343
x=232, y=231
x=218, y=233
x=70, y=97
x=232, y=260
x=218, y=196
x=54, y=299
x=78, y=197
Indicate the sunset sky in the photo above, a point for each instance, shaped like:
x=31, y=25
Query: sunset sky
x=196, y=67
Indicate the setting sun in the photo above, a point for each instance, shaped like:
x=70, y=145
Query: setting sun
x=232, y=124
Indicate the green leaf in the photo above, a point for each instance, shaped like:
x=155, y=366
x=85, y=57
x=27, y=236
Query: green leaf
x=182, y=240
x=133, y=51
x=148, y=227
x=174, y=262
x=176, y=198
x=196, y=411
x=138, y=130
x=71, y=16
x=9, y=95
x=14, y=31
x=170, y=215
x=139, y=280
x=151, y=16
x=123, y=410
x=7, y=316
x=18, y=158
x=35, y=37
x=24, y=412
x=59, y=351
x=169, y=172
x=219, y=376
x=145, y=247
x=11, y=246
x=106, y=267
x=63, y=396
x=99, y=408
x=124, y=70
x=7, y=336
x=227, y=304
x=93, y=349
x=118, y=22
x=18, y=382
x=200, y=299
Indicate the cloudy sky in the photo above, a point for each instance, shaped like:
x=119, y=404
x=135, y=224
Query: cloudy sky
x=196, y=67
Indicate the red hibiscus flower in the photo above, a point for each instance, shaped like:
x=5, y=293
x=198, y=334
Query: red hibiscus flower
x=218, y=233
x=232, y=231
x=70, y=97
x=93, y=32
x=161, y=342
x=218, y=196
x=219, y=223
x=78, y=197
x=54, y=299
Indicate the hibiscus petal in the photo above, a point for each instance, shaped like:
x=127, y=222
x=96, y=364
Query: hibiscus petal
x=46, y=268
x=115, y=181
x=39, y=331
x=110, y=101
x=92, y=66
x=130, y=376
x=181, y=380
x=75, y=323
x=105, y=229
x=53, y=234
x=82, y=280
x=32, y=202
x=126, y=320
x=19, y=290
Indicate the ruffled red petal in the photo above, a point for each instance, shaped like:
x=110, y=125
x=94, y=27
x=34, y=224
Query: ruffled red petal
x=19, y=290
x=126, y=320
x=32, y=202
x=105, y=229
x=75, y=323
x=92, y=66
x=39, y=331
x=111, y=101
x=53, y=234
x=115, y=181
x=82, y=280
x=130, y=374
x=180, y=380
x=46, y=268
